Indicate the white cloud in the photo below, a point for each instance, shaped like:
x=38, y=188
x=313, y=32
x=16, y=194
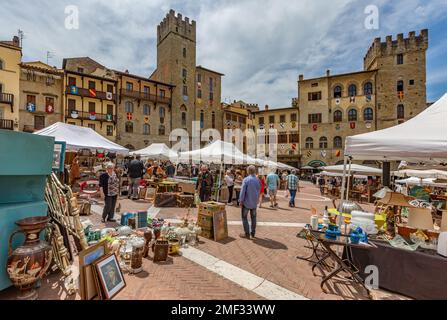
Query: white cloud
x=261, y=46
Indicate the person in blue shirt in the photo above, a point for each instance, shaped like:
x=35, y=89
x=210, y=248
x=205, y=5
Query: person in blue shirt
x=248, y=201
x=273, y=186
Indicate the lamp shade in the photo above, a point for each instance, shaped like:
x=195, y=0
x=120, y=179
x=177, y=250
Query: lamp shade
x=396, y=199
x=420, y=218
x=382, y=193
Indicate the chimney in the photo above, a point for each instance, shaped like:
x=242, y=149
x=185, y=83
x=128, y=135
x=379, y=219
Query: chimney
x=266, y=107
x=328, y=73
x=16, y=41
x=301, y=77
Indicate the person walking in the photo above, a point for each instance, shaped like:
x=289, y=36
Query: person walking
x=109, y=184
x=321, y=183
x=292, y=186
x=229, y=181
x=251, y=187
x=204, y=185
x=238, y=185
x=273, y=183
x=135, y=172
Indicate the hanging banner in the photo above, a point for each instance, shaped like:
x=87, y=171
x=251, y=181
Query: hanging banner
x=294, y=146
x=337, y=126
x=129, y=116
x=293, y=124
x=74, y=114
x=368, y=98
x=352, y=125
x=92, y=93
x=146, y=119
x=309, y=154
x=337, y=101
x=282, y=125
x=352, y=99
x=338, y=153
x=400, y=95
x=49, y=108
x=314, y=127
x=109, y=117
x=368, y=125
x=30, y=107
x=323, y=153
x=74, y=90
x=109, y=95
x=92, y=116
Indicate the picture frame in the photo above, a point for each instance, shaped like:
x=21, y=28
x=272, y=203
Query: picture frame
x=87, y=285
x=109, y=275
x=59, y=156
x=220, y=225
x=150, y=193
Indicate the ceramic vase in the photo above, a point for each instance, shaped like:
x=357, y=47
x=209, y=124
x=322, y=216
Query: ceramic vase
x=28, y=263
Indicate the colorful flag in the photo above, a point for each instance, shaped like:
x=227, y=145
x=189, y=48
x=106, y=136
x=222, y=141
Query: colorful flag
x=92, y=93
x=74, y=90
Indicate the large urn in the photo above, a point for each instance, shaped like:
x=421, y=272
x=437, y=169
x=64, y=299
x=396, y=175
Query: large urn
x=28, y=263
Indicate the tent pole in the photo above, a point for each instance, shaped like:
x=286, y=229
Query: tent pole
x=349, y=180
x=343, y=183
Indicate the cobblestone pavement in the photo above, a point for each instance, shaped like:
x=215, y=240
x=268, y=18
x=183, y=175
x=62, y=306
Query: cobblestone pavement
x=271, y=256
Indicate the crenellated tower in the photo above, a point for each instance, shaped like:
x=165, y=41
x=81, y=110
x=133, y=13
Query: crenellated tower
x=400, y=83
x=176, y=64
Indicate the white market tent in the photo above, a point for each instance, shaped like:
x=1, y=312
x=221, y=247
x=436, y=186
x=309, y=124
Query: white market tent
x=355, y=168
x=339, y=174
x=157, y=151
x=422, y=138
x=77, y=137
x=218, y=152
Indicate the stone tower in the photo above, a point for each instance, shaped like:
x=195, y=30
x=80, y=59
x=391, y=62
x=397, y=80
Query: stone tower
x=176, y=64
x=401, y=77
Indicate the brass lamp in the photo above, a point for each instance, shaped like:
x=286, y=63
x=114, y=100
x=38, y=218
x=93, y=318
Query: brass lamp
x=395, y=200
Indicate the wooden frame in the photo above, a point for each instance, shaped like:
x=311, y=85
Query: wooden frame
x=87, y=286
x=108, y=270
x=220, y=225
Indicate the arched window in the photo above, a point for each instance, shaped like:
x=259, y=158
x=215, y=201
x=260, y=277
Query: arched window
x=129, y=127
x=128, y=106
x=400, y=111
x=1, y=64
x=213, y=120
x=146, y=129
x=338, y=142
x=400, y=85
x=183, y=119
x=323, y=143
x=352, y=115
x=338, y=116
x=352, y=90
x=368, y=114
x=337, y=92
x=146, y=110
x=368, y=88
x=202, y=118
x=309, y=143
x=161, y=130
x=184, y=52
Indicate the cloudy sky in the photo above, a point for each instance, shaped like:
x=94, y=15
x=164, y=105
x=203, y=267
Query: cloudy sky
x=261, y=46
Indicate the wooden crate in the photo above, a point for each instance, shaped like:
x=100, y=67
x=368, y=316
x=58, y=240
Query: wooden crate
x=207, y=233
x=210, y=207
x=205, y=221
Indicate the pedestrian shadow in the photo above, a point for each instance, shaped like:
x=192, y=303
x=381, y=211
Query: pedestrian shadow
x=226, y=240
x=270, y=244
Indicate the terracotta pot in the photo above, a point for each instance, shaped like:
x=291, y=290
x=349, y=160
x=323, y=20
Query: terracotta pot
x=28, y=263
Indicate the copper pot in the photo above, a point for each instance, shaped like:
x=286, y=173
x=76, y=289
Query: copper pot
x=28, y=263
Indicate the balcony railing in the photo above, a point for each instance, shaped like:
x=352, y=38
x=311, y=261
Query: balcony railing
x=6, y=124
x=7, y=98
x=88, y=116
x=86, y=93
x=144, y=96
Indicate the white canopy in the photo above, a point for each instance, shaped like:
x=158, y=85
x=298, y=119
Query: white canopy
x=77, y=137
x=433, y=173
x=355, y=168
x=218, y=152
x=419, y=181
x=422, y=138
x=158, y=151
x=339, y=174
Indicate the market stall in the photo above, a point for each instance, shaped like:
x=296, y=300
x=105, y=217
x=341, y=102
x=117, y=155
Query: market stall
x=413, y=230
x=157, y=151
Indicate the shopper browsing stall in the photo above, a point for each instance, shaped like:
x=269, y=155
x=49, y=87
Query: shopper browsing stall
x=204, y=183
x=229, y=181
x=135, y=172
x=109, y=184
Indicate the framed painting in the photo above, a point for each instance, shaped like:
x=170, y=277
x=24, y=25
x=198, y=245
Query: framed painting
x=110, y=276
x=87, y=285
